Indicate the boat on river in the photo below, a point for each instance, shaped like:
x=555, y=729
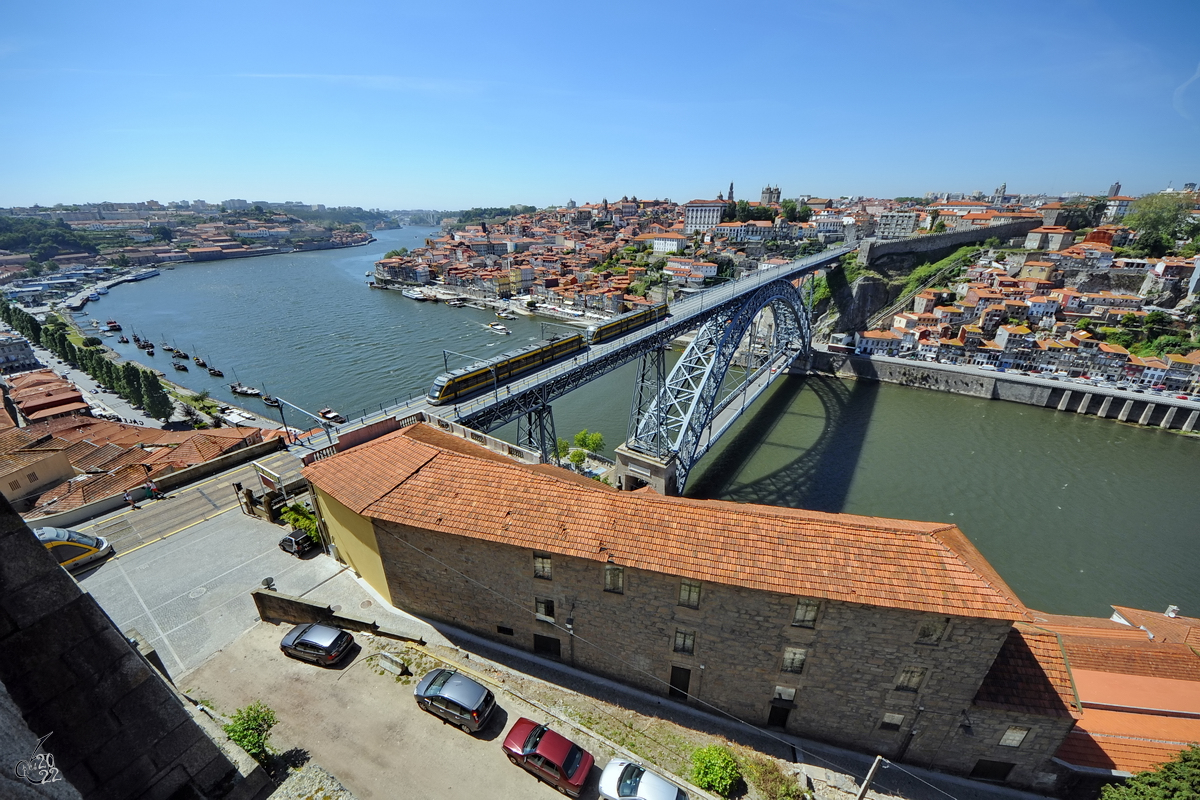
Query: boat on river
x=496, y=327
x=180, y=354
x=505, y=314
x=456, y=302
x=149, y=351
x=271, y=401
x=414, y=294
x=93, y=296
x=200, y=362
x=124, y=340
x=329, y=415
x=216, y=373
x=244, y=390
x=179, y=365
x=101, y=290
x=113, y=325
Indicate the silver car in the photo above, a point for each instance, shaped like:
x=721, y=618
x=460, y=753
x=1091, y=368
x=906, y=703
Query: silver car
x=626, y=780
x=456, y=699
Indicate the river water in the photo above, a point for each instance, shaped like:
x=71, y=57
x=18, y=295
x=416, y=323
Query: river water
x=1074, y=512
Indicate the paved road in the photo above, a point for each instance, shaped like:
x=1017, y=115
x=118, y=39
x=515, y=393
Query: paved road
x=130, y=529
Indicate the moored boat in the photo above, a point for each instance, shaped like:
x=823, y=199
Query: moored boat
x=124, y=340
x=503, y=314
x=149, y=351
x=245, y=391
x=413, y=294
x=113, y=325
x=271, y=401
x=101, y=290
x=93, y=296
x=179, y=365
x=329, y=415
x=456, y=302
x=216, y=373
x=200, y=362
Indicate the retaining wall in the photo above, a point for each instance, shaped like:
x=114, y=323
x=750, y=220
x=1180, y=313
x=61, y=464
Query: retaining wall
x=1150, y=410
x=871, y=250
x=278, y=607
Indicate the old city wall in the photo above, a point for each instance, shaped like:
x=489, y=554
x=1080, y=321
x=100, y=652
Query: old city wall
x=119, y=730
x=855, y=652
x=937, y=244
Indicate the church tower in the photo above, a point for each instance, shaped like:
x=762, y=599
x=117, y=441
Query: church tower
x=731, y=191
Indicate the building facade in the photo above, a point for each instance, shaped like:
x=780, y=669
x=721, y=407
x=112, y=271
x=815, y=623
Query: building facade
x=881, y=635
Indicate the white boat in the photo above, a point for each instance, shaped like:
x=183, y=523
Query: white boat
x=246, y=391
x=102, y=290
x=413, y=294
x=456, y=302
x=496, y=327
x=503, y=314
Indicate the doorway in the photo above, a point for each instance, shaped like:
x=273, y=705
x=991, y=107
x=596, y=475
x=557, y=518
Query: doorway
x=777, y=717
x=681, y=679
x=546, y=646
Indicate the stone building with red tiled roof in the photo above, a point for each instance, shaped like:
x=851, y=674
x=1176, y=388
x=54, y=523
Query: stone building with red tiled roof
x=888, y=636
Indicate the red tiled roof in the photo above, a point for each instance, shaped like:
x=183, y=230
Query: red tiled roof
x=1165, y=629
x=1125, y=742
x=1030, y=675
x=422, y=477
x=1117, y=691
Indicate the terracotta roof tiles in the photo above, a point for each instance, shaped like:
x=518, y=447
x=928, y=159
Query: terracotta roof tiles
x=1030, y=675
x=423, y=477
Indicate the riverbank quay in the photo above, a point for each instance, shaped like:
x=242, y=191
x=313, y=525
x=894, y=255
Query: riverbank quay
x=1080, y=397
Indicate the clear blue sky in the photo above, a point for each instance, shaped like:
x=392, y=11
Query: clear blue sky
x=454, y=104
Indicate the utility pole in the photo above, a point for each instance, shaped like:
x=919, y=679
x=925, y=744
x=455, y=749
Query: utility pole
x=866, y=784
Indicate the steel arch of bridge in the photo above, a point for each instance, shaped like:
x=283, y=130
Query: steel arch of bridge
x=670, y=415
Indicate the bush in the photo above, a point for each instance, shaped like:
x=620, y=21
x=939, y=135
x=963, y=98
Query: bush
x=301, y=519
x=716, y=770
x=770, y=781
x=250, y=728
x=92, y=341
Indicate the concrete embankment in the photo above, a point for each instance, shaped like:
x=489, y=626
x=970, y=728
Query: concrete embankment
x=1159, y=411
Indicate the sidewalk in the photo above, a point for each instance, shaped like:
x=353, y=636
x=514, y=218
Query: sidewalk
x=834, y=771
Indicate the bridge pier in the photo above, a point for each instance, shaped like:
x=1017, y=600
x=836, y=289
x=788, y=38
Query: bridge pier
x=1104, y=406
x=1066, y=398
x=1170, y=416
x=635, y=470
x=1147, y=414
x=1084, y=404
x=1125, y=409
x=1190, y=424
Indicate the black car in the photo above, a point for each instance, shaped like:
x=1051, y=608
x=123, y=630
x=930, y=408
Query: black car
x=320, y=644
x=456, y=699
x=297, y=543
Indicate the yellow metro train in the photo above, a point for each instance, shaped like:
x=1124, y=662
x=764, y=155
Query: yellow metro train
x=459, y=384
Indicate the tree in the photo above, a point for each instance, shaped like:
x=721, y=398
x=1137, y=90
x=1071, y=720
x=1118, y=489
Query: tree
x=131, y=384
x=250, y=728
x=155, y=400
x=939, y=227
x=403, y=251
x=1178, y=779
x=1159, y=219
x=790, y=211
x=562, y=449
x=804, y=214
x=577, y=458
x=1083, y=324
x=92, y=341
x=593, y=442
x=1130, y=321
x=163, y=233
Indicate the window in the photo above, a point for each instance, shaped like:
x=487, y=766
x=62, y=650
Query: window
x=504, y=630
x=932, y=630
x=793, y=659
x=544, y=609
x=891, y=722
x=1014, y=736
x=689, y=593
x=685, y=642
x=14, y=485
x=31, y=477
x=911, y=679
x=541, y=566
x=806, y=613
x=614, y=579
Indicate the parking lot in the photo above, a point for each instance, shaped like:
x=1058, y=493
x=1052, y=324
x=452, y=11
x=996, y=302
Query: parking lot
x=362, y=722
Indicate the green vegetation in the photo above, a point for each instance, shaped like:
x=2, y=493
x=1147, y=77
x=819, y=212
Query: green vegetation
x=139, y=386
x=768, y=779
x=474, y=215
x=804, y=214
x=742, y=211
x=92, y=341
x=592, y=442
x=960, y=258
x=43, y=240
x=1160, y=220
x=715, y=769
x=301, y=519
x=1154, y=335
x=250, y=728
x=403, y=251
x=1178, y=779
x=920, y=201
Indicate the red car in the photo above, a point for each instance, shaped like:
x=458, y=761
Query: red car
x=550, y=756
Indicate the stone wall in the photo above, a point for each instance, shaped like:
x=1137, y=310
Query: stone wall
x=855, y=653
x=871, y=251
x=277, y=607
x=118, y=729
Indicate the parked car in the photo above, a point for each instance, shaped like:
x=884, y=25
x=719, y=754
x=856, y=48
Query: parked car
x=456, y=699
x=550, y=756
x=71, y=548
x=320, y=644
x=626, y=780
x=297, y=543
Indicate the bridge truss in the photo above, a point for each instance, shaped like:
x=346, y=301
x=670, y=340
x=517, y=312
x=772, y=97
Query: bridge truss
x=673, y=415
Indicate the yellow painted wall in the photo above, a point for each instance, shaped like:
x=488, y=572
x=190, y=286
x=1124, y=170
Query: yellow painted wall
x=354, y=536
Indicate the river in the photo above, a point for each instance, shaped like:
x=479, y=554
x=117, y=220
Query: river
x=1074, y=512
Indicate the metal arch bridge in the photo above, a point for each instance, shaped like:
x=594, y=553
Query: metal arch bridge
x=675, y=417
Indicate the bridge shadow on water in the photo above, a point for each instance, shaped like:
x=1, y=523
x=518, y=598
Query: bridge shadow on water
x=816, y=476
